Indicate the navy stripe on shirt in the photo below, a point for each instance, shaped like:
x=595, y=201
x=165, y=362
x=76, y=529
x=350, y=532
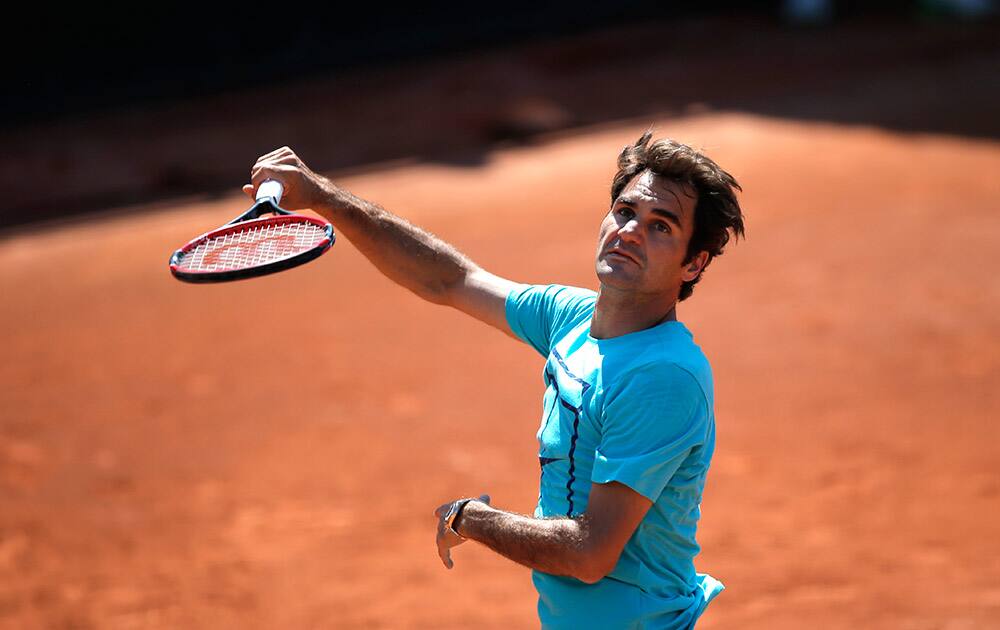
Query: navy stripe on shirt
x=576, y=424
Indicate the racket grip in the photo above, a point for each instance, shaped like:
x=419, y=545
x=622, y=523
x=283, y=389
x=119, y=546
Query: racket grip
x=270, y=188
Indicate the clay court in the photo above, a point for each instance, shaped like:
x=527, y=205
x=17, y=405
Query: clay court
x=267, y=453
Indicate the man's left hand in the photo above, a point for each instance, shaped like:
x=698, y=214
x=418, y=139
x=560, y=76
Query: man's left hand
x=446, y=536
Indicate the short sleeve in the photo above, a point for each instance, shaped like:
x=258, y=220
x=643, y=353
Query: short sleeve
x=537, y=313
x=653, y=418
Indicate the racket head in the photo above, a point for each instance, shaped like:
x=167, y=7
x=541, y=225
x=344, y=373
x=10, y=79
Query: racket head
x=247, y=249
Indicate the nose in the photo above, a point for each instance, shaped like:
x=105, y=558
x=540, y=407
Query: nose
x=630, y=231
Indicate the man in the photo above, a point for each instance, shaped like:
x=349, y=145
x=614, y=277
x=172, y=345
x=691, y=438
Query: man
x=628, y=427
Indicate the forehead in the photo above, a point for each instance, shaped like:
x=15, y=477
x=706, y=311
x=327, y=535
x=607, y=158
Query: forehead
x=648, y=188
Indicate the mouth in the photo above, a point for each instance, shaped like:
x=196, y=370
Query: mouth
x=617, y=253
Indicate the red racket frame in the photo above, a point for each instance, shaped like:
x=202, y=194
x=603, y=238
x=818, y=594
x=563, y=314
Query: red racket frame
x=249, y=218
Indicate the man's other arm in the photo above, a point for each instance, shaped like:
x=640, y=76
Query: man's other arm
x=403, y=252
x=586, y=547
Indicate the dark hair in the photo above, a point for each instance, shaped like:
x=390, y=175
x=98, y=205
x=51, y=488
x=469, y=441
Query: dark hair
x=717, y=212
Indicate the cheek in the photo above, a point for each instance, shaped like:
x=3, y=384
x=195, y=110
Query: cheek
x=670, y=254
x=606, y=228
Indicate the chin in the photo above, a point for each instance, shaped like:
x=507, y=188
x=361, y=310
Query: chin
x=618, y=278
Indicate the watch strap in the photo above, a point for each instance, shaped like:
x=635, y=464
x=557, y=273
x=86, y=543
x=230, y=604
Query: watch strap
x=454, y=513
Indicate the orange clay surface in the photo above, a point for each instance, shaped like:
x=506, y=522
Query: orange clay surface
x=267, y=454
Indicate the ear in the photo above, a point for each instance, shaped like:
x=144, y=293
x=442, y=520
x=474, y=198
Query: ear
x=694, y=266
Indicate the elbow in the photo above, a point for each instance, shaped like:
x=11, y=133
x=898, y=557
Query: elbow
x=594, y=569
x=591, y=578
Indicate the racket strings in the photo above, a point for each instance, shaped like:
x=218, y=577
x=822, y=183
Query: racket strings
x=252, y=247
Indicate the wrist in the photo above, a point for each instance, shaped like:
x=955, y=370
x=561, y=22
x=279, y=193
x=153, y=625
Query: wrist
x=325, y=200
x=466, y=515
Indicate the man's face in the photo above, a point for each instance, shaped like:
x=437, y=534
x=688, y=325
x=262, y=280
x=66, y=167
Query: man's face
x=644, y=238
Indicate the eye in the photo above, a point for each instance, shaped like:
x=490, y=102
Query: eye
x=625, y=212
x=663, y=227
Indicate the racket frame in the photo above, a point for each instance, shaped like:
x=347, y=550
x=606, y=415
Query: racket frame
x=265, y=205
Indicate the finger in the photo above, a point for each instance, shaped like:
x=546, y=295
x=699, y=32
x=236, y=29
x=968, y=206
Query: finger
x=249, y=190
x=264, y=167
x=444, y=552
x=278, y=160
x=258, y=175
x=275, y=152
x=274, y=170
x=283, y=155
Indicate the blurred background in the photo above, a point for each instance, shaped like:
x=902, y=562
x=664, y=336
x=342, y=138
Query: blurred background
x=267, y=453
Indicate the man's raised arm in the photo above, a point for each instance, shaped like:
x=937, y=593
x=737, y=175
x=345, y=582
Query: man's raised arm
x=586, y=547
x=406, y=254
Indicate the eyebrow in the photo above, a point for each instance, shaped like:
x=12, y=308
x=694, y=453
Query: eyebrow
x=663, y=212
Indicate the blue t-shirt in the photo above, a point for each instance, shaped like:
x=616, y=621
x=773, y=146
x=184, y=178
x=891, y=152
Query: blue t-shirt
x=635, y=409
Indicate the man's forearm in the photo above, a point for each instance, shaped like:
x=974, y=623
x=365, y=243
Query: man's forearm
x=406, y=254
x=558, y=546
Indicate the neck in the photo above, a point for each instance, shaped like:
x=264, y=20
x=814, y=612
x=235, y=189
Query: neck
x=617, y=313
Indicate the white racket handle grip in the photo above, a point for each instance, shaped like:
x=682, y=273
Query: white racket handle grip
x=270, y=188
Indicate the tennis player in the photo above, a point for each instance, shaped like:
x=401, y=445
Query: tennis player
x=628, y=427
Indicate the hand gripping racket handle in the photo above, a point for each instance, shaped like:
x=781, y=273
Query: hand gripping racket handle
x=270, y=188
x=268, y=197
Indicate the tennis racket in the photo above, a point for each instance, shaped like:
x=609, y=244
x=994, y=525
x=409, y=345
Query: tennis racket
x=251, y=245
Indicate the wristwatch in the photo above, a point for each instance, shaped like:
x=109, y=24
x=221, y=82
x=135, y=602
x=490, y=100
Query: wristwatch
x=453, y=513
